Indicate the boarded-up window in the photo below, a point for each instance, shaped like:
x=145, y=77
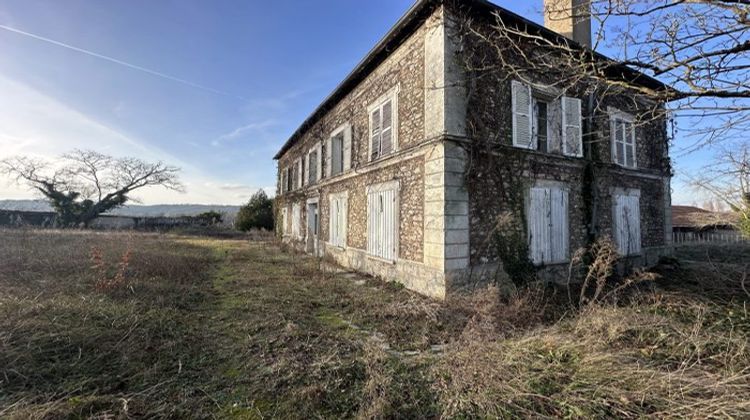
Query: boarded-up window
x=627, y=223
x=548, y=225
x=338, y=220
x=623, y=140
x=382, y=221
x=296, y=221
x=522, y=116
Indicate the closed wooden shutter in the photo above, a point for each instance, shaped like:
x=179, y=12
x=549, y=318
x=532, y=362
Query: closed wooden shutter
x=337, y=222
x=375, y=135
x=382, y=237
x=572, y=127
x=627, y=224
x=285, y=221
x=521, y=99
x=559, y=235
x=319, y=168
x=296, y=222
x=549, y=236
x=539, y=225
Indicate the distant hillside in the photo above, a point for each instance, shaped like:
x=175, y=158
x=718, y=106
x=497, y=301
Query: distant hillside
x=159, y=210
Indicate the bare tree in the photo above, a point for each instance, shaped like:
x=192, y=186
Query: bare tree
x=699, y=48
x=728, y=179
x=83, y=184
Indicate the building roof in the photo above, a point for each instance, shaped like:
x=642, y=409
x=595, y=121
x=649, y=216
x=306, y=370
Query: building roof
x=695, y=217
x=410, y=22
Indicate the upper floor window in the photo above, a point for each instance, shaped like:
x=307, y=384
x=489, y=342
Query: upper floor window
x=546, y=124
x=339, y=151
x=384, y=125
x=541, y=124
x=286, y=180
x=623, y=139
x=313, y=164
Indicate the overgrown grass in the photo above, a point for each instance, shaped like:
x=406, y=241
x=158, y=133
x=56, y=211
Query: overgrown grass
x=208, y=328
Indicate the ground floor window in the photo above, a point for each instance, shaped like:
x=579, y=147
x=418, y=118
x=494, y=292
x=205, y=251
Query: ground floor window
x=296, y=221
x=548, y=225
x=627, y=222
x=337, y=220
x=284, y=221
x=382, y=221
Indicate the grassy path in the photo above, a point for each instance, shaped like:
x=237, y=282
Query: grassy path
x=206, y=328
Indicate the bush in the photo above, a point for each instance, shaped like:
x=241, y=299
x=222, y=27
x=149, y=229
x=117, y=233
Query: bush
x=256, y=214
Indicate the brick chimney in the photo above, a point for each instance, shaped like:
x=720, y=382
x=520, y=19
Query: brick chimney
x=571, y=18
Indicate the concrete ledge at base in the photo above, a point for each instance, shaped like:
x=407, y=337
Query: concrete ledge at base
x=413, y=275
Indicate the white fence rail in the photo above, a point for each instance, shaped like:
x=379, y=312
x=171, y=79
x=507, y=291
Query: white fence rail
x=725, y=237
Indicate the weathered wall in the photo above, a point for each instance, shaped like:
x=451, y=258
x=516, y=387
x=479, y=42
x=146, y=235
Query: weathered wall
x=495, y=166
x=404, y=70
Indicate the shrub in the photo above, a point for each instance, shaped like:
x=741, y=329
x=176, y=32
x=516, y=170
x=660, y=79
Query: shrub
x=256, y=214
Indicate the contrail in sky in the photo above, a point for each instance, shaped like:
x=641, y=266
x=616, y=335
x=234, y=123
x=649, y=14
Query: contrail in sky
x=122, y=63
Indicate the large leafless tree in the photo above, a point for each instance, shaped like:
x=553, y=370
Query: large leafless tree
x=83, y=184
x=700, y=48
x=728, y=179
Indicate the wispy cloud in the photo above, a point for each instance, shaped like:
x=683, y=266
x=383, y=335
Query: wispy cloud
x=120, y=62
x=244, y=130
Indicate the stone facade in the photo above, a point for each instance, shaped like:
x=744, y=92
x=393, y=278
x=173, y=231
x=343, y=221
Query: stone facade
x=447, y=207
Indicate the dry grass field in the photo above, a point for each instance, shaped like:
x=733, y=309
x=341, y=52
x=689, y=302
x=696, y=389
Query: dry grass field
x=118, y=325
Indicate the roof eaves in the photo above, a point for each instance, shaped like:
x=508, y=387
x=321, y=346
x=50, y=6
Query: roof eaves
x=397, y=32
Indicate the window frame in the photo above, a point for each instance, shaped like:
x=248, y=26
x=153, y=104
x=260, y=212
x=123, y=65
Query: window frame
x=340, y=132
x=378, y=104
x=616, y=115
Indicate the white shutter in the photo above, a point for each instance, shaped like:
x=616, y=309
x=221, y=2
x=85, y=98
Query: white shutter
x=343, y=232
x=375, y=121
x=627, y=224
x=382, y=229
x=284, y=221
x=386, y=132
x=301, y=172
x=306, y=170
x=329, y=160
x=372, y=223
x=319, y=156
x=521, y=98
x=572, y=127
x=560, y=239
x=347, y=147
x=539, y=225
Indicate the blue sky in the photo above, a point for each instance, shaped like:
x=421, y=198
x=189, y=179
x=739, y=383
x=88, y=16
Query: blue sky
x=212, y=86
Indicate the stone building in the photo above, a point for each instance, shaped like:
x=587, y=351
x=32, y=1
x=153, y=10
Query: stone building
x=382, y=177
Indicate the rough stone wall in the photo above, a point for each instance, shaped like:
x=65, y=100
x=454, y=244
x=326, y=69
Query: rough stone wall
x=410, y=174
x=404, y=70
x=589, y=179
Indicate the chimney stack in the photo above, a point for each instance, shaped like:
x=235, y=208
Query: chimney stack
x=570, y=18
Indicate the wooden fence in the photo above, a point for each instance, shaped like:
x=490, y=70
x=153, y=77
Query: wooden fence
x=715, y=237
